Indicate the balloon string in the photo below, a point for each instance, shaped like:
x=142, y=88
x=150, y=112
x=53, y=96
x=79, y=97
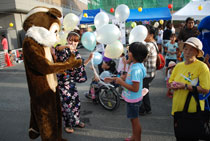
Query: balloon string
x=94, y=70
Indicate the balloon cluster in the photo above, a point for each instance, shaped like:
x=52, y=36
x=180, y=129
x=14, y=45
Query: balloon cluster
x=105, y=33
x=108, y=34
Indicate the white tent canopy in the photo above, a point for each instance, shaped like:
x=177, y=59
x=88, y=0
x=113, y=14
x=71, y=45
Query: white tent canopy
x=191, y=10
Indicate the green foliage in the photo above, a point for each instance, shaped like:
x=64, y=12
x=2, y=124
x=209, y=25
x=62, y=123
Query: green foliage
x=134, y=4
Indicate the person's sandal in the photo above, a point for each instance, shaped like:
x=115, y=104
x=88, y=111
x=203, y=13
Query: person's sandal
x=128, y=139
x=33, y=134
x=69, y=130
x=81, y=124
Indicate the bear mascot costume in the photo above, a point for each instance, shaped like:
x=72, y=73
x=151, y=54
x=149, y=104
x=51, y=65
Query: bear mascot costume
x=42, y=25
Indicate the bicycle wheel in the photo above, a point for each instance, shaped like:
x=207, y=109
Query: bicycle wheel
x=119, y=90
x=109, y=98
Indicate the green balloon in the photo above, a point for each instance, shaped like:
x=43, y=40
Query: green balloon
x=133, y=24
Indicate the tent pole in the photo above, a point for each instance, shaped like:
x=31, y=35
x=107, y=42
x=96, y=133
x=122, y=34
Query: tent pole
x=172, y=12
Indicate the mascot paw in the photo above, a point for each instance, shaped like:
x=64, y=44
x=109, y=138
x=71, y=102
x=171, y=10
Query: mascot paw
x=33, y=134
x=73, y=62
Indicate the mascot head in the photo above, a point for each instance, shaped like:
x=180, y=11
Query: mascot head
x=43, y=25
x=42, y=17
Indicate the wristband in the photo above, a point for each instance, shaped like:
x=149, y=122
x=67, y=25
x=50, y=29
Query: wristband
x=185, y=86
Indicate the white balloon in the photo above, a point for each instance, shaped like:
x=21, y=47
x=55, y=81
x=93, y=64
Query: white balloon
x=122, y=12
x=108, y=34
x=63, y=36
x=114, y=50
x=101, y=19
x=156, y=24
x=70, y=21
x=138, y=34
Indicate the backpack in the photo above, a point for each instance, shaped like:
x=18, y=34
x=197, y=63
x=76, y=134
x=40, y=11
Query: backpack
x=160, y=62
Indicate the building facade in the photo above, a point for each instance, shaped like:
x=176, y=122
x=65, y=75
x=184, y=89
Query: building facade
x=14, y=11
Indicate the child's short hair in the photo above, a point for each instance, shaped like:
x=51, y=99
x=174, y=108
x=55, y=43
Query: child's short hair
x=151, y=29
x=112, y=66
x=173, y=35
x=139, y=51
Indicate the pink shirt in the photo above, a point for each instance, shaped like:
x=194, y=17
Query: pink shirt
x=4, y=44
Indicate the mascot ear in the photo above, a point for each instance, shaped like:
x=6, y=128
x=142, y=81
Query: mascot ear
x=55, y=12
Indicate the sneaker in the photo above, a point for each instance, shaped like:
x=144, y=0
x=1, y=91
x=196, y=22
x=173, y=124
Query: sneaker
x=149, y=112
x=88, y=95
x=142, y=113
x=145, y=113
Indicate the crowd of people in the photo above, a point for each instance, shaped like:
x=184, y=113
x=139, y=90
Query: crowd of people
x=185, y=66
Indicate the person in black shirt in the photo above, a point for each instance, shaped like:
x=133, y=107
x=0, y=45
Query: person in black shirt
x=189, y=30
x=166, y=35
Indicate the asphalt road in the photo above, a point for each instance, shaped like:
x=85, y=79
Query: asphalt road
x=101, y=125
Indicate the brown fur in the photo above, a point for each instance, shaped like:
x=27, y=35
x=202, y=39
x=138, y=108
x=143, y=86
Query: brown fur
x=45, y=100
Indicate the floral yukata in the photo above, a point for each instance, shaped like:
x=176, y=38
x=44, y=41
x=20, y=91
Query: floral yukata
x=67, y=88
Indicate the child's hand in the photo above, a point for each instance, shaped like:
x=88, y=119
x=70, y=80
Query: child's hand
x=118, y=80
x=96, y=79
x=108, y=79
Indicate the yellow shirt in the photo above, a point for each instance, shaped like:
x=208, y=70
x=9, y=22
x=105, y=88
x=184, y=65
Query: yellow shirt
x=189, y=74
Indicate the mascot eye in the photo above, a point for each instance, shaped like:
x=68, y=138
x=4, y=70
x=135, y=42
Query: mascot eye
x=54, y=28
